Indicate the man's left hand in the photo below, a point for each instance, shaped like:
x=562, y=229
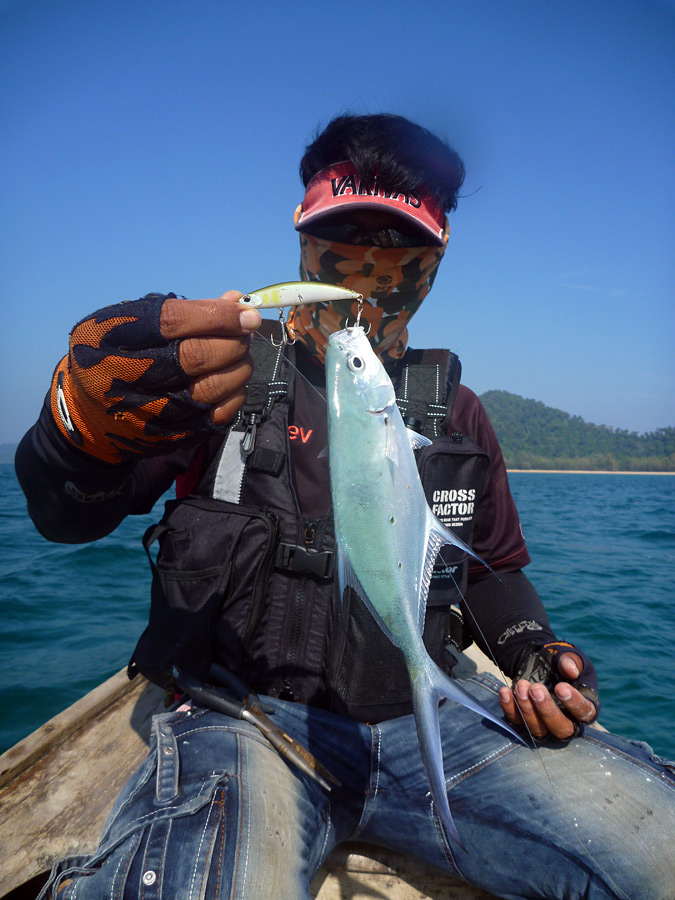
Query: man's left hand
x=534, y=706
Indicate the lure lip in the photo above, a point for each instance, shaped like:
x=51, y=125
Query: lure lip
x=297, y=293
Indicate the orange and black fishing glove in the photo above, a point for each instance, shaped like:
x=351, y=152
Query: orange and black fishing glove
x=540, y=664
x=121, y=392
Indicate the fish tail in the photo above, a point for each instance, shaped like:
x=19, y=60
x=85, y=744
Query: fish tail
x=426, y=698
x=446, y=687
x=429, y=686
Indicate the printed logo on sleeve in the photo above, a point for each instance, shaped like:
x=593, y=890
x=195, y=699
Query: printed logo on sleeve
x=525, y=625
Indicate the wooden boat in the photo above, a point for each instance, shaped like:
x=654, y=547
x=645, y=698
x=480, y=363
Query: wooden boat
x=58, y=785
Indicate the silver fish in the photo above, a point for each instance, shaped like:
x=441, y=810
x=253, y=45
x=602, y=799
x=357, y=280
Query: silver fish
x=387, y=536
x=297, y=293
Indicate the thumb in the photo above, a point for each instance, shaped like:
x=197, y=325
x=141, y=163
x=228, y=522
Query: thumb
x=570, y=666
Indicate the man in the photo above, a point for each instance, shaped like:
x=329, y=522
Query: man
x=161, y=389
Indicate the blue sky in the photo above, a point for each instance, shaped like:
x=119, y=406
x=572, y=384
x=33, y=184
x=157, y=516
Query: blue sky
x=154, y=146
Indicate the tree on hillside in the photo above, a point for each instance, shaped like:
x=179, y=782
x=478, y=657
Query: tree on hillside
x=533, y=435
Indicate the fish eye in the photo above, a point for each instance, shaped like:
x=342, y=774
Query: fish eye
x=355, y=363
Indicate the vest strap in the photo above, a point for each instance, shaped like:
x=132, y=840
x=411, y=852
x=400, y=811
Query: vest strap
x=426, y=387
x=229, y=478
x=266, y=385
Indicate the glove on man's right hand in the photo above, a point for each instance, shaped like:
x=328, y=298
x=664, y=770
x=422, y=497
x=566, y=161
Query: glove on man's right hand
x=127, y=388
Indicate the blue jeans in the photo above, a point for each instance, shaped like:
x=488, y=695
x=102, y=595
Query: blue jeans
x=215, y=812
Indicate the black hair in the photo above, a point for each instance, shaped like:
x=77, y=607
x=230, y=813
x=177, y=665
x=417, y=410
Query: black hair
x=402, y=154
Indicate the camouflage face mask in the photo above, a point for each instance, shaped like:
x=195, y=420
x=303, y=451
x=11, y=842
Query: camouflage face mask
x=393, y=280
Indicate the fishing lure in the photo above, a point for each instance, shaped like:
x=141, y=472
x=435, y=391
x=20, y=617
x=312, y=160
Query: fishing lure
x=297, y=293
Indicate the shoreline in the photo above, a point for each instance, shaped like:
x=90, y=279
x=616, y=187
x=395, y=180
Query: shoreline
x=583, y=472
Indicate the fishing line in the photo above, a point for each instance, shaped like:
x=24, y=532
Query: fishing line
x=556, y=794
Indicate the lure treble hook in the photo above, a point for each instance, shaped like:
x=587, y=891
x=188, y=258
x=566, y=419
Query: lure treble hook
x=286, y=339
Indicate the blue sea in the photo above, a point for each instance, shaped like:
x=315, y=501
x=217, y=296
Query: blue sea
x=603, y=550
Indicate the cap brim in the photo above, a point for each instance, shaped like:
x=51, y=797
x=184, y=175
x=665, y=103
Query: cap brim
x=338, y=189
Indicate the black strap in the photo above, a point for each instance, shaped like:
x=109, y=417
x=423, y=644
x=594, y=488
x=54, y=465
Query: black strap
x=426, y=386
x=267, y=384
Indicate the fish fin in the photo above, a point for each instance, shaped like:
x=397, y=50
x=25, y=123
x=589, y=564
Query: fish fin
x=390, y=443
x=434, y=543
x=439, y=536
x=347, y=578
x=447, y=687
x=425, y=705
x=417, y=441
x=324, y=453
x=429, y=686
x=447, y=536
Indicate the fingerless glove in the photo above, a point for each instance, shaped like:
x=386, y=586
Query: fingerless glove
x=540, y=664
x=121, y=392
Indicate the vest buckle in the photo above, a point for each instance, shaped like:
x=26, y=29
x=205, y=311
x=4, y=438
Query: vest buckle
x=299, y=559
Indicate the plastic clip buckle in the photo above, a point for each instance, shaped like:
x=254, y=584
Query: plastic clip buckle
x=296, y=558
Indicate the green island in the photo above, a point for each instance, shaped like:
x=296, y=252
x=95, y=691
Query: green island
x=535, y=436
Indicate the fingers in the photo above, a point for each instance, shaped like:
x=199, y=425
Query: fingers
x=546, y=714
x=206, y=318
x=201, y=356
x=577, y=706
x=213, y=349
x=220, y=369
x=534, y=707
x=224, y=390
x=570, y=666
x=531, y=705
x=222, y=413
x=509, y=706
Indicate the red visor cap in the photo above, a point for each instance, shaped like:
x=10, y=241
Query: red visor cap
x=338, y=188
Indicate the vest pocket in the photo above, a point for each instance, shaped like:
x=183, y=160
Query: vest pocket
x=209, y=561
x=372, y=682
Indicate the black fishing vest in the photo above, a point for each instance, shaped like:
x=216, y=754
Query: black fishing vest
x=239, y=579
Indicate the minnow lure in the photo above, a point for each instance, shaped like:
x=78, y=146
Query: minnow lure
x=297, y=293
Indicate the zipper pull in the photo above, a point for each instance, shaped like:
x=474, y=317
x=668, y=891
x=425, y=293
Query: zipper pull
x=248, y=440
x=310, y=532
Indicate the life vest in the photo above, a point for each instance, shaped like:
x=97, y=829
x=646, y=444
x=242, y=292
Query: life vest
x=241, y=579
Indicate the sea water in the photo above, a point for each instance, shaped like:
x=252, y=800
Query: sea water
x=603, y=551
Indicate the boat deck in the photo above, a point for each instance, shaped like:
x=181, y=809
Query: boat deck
x=58, y=785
